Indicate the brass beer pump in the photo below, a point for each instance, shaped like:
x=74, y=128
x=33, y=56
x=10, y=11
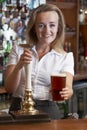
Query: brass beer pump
x=28, y=113
x=28, y=103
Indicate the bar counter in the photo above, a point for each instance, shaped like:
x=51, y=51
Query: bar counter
x=63, y=124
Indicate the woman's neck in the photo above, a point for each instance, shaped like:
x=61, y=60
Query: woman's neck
x=42, y=50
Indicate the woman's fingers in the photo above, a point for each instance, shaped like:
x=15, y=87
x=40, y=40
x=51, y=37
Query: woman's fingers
x=26, y=57
x=65, y=93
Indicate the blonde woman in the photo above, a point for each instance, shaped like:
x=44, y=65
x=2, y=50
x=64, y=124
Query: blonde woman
x=45, y=35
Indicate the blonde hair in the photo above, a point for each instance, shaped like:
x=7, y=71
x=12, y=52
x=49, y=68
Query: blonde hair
x=31, y=36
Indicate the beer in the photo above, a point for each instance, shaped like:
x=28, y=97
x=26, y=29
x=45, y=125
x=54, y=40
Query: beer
x=57, y=83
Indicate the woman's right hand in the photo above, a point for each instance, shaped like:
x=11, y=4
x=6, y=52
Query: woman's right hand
x=25, y=58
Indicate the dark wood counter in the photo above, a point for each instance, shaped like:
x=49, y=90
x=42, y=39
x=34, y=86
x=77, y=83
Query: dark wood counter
x=68, y=124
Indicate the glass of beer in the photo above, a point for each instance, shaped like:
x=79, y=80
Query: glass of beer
x=58, y=82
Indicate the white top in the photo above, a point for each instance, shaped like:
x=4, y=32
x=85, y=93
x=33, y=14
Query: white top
x=51, y=63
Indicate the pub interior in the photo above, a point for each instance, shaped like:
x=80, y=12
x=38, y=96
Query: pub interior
x=14, y=16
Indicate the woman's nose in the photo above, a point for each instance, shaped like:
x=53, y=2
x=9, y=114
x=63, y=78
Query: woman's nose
x=47, y=29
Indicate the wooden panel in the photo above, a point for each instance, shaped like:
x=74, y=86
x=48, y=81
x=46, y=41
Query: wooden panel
x=83, y=30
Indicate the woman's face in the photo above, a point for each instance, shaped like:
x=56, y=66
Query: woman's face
x=46, y=27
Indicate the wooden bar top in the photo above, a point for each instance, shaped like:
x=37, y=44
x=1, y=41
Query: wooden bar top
x=63, y=124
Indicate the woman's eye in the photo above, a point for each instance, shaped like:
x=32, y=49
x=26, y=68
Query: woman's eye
x=41, y=25
x=52, y=25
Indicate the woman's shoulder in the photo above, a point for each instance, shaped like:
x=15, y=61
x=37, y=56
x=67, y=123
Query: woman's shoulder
x=69, y=57
x=64, y=53
x=61, y=52
x=17, y=49
x=70, y=54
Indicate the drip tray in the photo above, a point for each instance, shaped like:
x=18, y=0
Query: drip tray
x=21, y=117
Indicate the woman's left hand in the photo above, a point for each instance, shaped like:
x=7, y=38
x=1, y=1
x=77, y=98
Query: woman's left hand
x=66, y=93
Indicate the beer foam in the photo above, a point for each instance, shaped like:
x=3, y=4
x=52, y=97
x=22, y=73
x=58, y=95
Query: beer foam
x=59, y=75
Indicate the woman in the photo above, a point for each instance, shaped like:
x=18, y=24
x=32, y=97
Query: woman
x=45, y=35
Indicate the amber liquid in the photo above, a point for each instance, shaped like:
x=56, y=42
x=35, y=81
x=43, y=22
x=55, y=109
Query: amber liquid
x=57, y=84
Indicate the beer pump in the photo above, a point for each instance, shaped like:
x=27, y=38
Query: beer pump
x=28, y=113
x=28, y=103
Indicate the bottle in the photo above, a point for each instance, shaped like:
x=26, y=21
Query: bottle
x=1, y=67
x=8, y=48
x=11, y=23
x=3, y=19
x=85, y=53
x=0, y=7
x=81, y=17
x=1, y=57
x=4, y=44
x=4, y=6
x=66, y=46
x=69, y=47
x=11, y=42
x=1, y=77
x=8, y=1
x=19, y=4
x=19, y=40
x=20, y=27
x=25, y=8
x=6, y=53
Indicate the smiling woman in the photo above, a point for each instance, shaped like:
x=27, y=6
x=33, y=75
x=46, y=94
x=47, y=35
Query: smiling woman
x=46, y=27
x=45, y=36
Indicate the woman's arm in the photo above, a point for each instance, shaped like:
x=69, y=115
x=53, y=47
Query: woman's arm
x=13, y=72
x=12, y=78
